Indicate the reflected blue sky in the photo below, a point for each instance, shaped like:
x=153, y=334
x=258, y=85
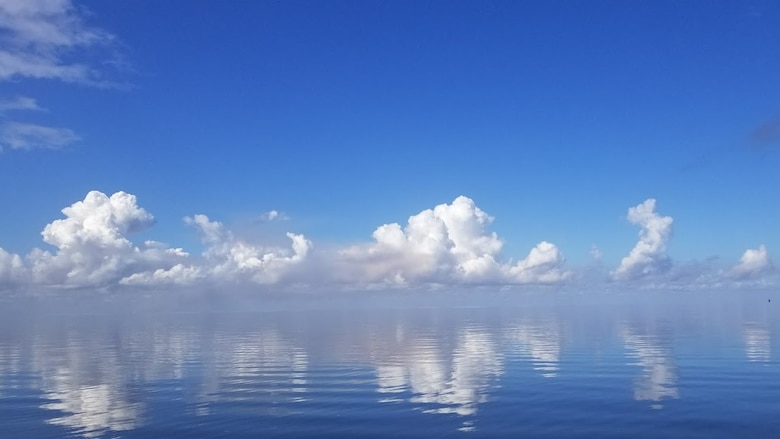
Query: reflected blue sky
x=357, y=365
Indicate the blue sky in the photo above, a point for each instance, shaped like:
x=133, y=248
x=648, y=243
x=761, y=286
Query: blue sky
x=553, y=117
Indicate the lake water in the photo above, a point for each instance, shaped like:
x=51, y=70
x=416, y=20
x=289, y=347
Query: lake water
x=436, y=364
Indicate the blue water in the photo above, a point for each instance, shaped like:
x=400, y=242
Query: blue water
x=436, y=364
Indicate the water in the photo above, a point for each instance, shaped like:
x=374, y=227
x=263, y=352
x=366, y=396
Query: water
x=441, y=364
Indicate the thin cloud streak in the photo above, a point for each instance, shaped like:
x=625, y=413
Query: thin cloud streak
x=19, y=103
x=29, y=136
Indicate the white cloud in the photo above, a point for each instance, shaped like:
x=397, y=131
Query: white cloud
x=41, y=39
x=274, y=215
x=47, y=39
x=19, y=103
x=753, y=263
x=179, y=274
x=596, y=253
x=648, y=256
x=92, y=244
x=446, y=244
x=232, y=259
x=27, y=136
x=12, y=270
x=93, y=249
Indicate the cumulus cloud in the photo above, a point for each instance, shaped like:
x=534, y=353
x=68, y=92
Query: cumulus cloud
x=648, y=256
x=274, y=215
x=92, y=244
x=450, y=244
x=752, y=264
x=232, y=259
x=447, y=244
x=27, y=136
x=12, y=268
x=228, y=259
x=47, y=39
x=93, y=249
x=179, y=274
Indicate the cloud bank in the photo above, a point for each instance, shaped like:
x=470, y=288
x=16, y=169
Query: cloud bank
x=91, y=246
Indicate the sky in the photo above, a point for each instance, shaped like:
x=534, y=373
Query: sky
x=375, y=144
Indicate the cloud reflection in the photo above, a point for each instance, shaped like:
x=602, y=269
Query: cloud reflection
x=91, y=410
x=87, y=389
x=245, y=367
x=541, y=344
x=454, y=382
x=92, y=374
x=658, y=380
x=758, y=346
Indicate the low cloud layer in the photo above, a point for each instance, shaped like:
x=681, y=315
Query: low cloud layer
x=648, y=257
x=91, y=246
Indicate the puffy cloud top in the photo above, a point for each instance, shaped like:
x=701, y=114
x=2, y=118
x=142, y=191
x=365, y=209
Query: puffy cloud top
x=92, y=244
x=98, y=220
x=232, y=258
x=11, y=268
x=649, y=254
x=447, y=244
x=753, y=263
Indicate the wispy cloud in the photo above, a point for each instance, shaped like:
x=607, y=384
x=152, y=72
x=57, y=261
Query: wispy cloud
x=48, y=39
x=19, y=103
x=28, y=136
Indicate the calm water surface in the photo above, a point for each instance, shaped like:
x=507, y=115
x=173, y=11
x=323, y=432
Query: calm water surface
x=649, y=365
